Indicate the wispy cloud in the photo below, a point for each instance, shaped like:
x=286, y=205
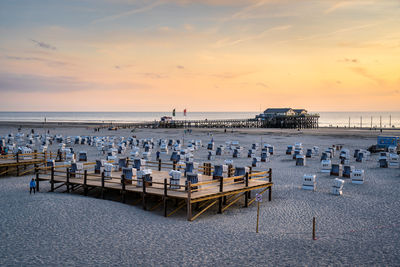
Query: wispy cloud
x=38, y=59
x=43, y=45
x=39, y=83
x=228, y=42
x=344, y=4
x=336, y=6
x=232, y=75
x=120, y=67
x=248, y=11
x=153, y=75
x=28, y=83
x=129, y=12
x=348, y=29
x=180, y=67
x=262, y=85
x=365, y=73
x=349, y=60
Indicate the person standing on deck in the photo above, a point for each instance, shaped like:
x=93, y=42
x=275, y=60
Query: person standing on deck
x=32, y=186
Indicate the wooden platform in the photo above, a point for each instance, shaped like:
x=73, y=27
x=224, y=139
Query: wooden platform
x=21, y=164
x=206, y=193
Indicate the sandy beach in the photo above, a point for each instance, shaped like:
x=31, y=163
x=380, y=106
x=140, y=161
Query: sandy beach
x=361, y=227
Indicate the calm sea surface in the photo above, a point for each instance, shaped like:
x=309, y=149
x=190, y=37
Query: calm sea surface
x=326, y=119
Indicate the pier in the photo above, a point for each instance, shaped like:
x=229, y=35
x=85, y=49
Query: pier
x=291, y=122
x=158, y=194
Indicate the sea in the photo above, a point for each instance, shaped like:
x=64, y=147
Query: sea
x=327, y=119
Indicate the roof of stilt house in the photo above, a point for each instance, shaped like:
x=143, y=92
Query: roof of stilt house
x=277, y=110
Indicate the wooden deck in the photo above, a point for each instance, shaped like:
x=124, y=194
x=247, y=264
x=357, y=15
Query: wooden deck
x=206, y=193
x=21, y=164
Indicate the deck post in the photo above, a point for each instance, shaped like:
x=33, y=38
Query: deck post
x=144, y=193
x=221, y=189
x=174, y=165
x=18, y=165
x=35, y=154
x=123, y=187
x=102, y=185
x=229, y=175
x=189, y=202
x=85, y=188
x=165, y=196
x=270, y=188
x=68, y=175
x=159, y=165
x=250, y=172
x=52, y=180
x=246, y=195
x=37, y=179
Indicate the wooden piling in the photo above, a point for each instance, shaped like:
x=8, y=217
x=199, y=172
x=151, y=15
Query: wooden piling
x=165, y=197
x=159, y=165
x=37, y=179
x=123, y=188
x=189, y=201
x=85, y=187
x=270, y=188
x=246, y=195
x=313, y=229
x=52, y=179
x=67, y=183
x=249, y=192
x=144, y=193
x=221, y=189
x=102, y=185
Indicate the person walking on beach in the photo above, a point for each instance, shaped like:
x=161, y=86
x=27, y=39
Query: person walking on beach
x=32, y=186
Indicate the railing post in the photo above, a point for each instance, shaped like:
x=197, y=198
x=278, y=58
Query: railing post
x=68, y=175
x=85, y=188
x=270, y=188
x=35, y=154
x=159, y=165
x=37, y=179
x=123, y=187
x=17, y=157
x=189, y=202
x=246, y=195
x=165, y=196
x=102, y=185
x=229, y=175
x=174, y=165
x=250, y=171
x=221, y=189
x=144, y=193
x=52, y=179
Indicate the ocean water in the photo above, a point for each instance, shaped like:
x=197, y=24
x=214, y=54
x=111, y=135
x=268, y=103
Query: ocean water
x=341, y=119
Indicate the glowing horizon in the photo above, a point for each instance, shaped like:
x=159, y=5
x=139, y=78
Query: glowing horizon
x=201, y=55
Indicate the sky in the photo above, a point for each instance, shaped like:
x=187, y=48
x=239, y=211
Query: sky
x=203, y=55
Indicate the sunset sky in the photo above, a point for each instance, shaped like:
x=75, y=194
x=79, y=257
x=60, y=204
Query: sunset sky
x=205, y=55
